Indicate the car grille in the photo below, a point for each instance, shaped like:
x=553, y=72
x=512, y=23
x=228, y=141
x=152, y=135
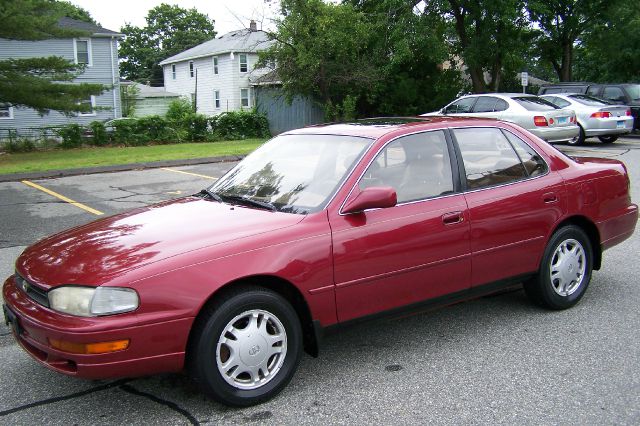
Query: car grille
x=32, y=291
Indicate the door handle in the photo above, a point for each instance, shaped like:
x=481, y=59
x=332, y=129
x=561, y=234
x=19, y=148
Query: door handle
x=549, y=198
x=452, y=218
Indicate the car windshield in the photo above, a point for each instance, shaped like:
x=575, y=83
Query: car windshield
x=634, y=91
x=534, y=103
x=292, y=173
x=589, y=100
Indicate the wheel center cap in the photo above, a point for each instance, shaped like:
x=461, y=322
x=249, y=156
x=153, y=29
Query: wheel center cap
x=253, y=350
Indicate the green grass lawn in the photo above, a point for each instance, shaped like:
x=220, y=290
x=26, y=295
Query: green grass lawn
x=90, y=157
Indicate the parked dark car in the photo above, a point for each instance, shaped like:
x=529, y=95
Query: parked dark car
x=625, y=94
x=317, y=228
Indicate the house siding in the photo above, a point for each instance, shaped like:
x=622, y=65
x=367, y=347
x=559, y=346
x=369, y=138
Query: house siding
x=104, y=56
x=228, y=81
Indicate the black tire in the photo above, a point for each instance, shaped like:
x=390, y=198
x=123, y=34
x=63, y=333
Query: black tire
x=581, y=136
x=210, y=325
x=608, y=139
x=543, y=289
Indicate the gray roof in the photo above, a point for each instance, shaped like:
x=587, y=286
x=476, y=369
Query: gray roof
x=74, y=24
x=153, y=92
x=245, y=41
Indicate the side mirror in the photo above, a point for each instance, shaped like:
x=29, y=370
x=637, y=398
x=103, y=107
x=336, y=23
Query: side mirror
x=375, y=197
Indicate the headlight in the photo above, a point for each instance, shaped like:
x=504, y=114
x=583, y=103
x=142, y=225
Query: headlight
x=93, y=301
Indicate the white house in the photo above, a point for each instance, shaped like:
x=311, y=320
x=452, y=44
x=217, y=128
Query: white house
x=217, y=74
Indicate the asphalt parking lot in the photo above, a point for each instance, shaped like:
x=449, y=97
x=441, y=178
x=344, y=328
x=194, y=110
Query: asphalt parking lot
x=495, y=360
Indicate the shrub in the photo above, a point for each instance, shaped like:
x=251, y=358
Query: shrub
x=196, y=127
x=240, y=125
x=153, y=129
x=99, y=133
x=19, y=145
x=179, y=109
x=71, y=135
x=125, y=132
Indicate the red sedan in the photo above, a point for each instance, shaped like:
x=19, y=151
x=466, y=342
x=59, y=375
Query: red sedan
x=317, y=228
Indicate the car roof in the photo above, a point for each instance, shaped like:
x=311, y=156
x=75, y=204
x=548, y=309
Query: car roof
x=376, y=127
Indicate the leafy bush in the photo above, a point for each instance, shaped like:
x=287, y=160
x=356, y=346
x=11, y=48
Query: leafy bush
x=125, y=132
x=99, y=133
x=153, y=129
x=71, y=135
x=19, y=145
x=179, y=109
x=239, y=125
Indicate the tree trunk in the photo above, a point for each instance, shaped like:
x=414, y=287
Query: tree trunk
x=477, y=79
x=567, y=60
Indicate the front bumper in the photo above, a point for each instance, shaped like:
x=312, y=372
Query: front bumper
x=556, y=134
x=154, y=348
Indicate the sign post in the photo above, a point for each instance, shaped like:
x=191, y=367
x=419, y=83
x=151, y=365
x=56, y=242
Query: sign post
x=524, y=77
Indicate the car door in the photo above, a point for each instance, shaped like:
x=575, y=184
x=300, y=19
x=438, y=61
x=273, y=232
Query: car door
x=416, y=250
x=513, y=199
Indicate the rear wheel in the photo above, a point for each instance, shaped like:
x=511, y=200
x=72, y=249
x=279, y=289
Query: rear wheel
x=581, y=136
x=246, y=347
x=565, y=270
x=608, y=139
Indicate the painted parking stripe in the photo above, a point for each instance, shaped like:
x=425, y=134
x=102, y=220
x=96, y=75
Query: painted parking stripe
x=188, y=173
x=62, y=197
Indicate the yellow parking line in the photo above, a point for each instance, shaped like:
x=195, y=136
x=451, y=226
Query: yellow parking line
x=63, y=198
x=188, y=173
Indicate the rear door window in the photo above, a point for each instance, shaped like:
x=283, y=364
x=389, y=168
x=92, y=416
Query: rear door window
x=614, y=93
x=533, y=163
x=485, y=104
x=488, y=157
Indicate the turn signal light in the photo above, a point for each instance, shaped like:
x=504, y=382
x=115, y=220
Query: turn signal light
x=601, y=114
x=540, y=121
x=89, y=348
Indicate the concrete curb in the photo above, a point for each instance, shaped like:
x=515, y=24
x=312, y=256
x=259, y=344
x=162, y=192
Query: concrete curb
x=14, y=177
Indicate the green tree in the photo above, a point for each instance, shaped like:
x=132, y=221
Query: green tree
x=170, y=30
x=610, y=51
x=489, y=36
x=562, y=24
x=40, y=83
x=360, y=57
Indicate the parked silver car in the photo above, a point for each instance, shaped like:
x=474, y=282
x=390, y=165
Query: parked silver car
x=596, y=117
x=539, y=116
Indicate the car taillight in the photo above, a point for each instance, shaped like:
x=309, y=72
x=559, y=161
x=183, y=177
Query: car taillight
x=551, y=121
x=601, y=114
x=628, y=113
x=540, y=121
x=572, y=119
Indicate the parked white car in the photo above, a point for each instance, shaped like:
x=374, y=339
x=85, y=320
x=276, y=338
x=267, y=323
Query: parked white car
x=596, y=117
x=537, y=115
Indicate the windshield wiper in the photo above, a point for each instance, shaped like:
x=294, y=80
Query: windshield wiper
x=249, y=202
x=211, y=194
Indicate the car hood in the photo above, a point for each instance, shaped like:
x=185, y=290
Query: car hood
x=100, y=251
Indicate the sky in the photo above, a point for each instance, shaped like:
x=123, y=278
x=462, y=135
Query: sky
x=229, y=15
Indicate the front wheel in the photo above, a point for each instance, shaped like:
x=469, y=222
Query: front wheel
x=565, y=270
x=608, y=139
x=246, y=347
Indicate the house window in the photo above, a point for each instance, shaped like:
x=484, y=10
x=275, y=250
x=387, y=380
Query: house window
x=173, y=71
x=244, y=98
x=91, y=104
x=82, y=50
x=191, y=71
x=6, y=111
x=244, y=66
x=215, y=65
x=216, y=98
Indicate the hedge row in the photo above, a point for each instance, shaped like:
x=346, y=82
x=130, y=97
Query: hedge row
x=177, y=126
